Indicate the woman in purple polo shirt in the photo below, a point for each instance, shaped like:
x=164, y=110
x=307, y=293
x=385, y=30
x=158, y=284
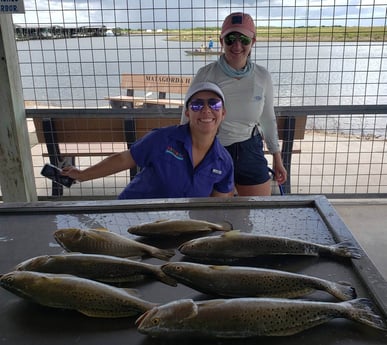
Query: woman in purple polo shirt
x=178, y=161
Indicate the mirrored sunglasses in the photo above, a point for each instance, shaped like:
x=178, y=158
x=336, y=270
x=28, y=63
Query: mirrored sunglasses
x=232, y=37
x=198, y=104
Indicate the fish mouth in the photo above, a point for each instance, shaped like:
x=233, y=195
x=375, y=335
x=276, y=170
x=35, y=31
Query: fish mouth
x=185, y=245
x=58, y=239
x=143, y=316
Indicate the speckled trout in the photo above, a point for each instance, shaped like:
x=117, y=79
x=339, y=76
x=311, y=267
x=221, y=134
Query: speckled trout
x=106, y=243
x=104, y=268
x=177, y=227
x=250, y=317
x=234, y=281
x=235, y=244
x=87, y=296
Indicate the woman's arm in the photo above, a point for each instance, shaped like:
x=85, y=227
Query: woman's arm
x=109, y=166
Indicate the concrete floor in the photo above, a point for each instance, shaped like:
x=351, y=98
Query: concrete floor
x=367, y=221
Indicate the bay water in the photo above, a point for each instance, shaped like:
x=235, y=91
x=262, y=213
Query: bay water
x=81, y=72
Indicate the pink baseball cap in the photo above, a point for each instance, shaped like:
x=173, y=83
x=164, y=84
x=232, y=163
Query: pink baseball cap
x=238, y=22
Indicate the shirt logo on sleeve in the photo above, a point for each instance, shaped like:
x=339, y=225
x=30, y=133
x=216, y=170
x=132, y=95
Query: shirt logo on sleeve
x=170, y=150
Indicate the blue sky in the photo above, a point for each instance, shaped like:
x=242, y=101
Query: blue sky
x=174, y=14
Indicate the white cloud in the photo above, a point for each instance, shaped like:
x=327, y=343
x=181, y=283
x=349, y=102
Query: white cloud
x=155, y=14
x=373, y=2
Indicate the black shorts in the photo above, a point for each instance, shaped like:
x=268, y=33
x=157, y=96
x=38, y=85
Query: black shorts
x=250, y=164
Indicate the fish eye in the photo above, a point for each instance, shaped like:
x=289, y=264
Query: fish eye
x=178, y=268
x=155, y=321
x=7, y=280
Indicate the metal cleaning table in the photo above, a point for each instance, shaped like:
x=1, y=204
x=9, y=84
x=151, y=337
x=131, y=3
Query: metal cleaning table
x=26, y=230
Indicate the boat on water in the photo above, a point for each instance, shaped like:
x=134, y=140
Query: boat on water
x=203, y=52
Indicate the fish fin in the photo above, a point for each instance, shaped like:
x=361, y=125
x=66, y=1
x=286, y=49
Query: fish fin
x=101, y=229
x=97, y=234
x=132, y=292
x=134, y=258
x=364, y=311
x=162, y=221
x=219, y=267
x=90, y=313
x=163, y=254
x=106, y=313
x=347, y=249
x=232, y=233
x=188, y=309
x=210, y=302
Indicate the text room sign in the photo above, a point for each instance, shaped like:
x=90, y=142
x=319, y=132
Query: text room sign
x=11, y=6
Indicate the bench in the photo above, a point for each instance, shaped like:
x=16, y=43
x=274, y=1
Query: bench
x=151, y=90
x=61, y=129
x=58, y=133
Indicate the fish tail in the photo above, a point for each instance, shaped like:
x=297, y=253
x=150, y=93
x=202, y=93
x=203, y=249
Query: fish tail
x=226, y=225
x=346, y=249
x=163, y=254
x=342, y=290
x=363, y=310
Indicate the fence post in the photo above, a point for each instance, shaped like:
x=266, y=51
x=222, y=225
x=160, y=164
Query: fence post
x=287, y=149
x=16, y=171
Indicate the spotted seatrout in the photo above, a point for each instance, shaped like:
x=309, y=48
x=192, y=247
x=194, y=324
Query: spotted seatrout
x=104, y=268
x=235, y=244
x=250, y=317
x=88, y=297
x=233, y=281
x=177, y=227
x=92, y=241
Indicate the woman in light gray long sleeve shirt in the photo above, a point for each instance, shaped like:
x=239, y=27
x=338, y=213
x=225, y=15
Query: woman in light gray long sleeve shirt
x=250, y=111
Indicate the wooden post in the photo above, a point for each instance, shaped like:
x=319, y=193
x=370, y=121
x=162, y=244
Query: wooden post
x=16, y=171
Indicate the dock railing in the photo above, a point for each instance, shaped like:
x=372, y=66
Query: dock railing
x=342, y=152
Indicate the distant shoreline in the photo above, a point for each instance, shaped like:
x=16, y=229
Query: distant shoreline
x=264, y=34
x=321, y=34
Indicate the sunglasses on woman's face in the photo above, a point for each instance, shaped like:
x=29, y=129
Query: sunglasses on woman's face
x=231, y=38
x=198, y=104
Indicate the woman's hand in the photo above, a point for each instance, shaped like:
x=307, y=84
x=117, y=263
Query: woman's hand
x=72, y=172
x=281, y=174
